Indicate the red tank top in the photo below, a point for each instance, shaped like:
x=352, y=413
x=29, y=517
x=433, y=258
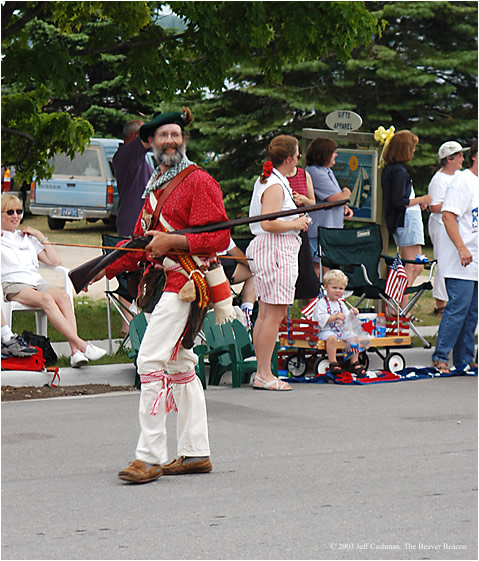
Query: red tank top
x=298, y=182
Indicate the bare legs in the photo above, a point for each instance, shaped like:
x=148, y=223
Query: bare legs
x=265, y=334
x=331, y=343
x=412, y=270
x=243, y=274
x=125, y=325
x=58, y=308
x=331, y=346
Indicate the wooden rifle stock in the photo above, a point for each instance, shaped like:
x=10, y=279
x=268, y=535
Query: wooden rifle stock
x=82, y=275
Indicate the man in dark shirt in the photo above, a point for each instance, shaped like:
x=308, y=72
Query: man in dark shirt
x=132, y=173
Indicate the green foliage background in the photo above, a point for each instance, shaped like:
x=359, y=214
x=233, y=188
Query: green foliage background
x=249, y=70
x=419, y=74
x=104, y=62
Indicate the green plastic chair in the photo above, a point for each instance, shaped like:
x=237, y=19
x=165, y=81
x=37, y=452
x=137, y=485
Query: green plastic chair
x=201, y=351
x=137, y=330
x=230, y=350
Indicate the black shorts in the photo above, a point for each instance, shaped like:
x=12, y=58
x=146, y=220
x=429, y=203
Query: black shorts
x=229, y=267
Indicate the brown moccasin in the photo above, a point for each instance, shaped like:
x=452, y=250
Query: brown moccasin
x=179, y=467
x=137, y=472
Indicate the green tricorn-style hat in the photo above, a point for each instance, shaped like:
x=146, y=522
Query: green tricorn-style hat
x=175, y=118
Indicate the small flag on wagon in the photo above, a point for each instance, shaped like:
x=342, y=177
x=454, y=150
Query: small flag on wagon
x=396, y=283
x=308, y=310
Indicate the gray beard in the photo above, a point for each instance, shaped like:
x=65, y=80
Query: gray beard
x=169, y=160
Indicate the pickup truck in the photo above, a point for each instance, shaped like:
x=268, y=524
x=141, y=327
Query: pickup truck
x=84, y=187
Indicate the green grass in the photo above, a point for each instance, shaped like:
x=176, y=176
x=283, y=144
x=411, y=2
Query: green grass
x=92, y=324
x=416, y=342
x=120, y=357
x=91, y=318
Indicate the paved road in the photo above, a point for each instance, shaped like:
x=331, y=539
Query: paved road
x=322, y=472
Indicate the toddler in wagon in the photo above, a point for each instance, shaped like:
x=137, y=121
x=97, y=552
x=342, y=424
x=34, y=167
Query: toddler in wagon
x=331, y=312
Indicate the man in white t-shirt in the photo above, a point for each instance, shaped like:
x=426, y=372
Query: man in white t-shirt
x=458, y=262
x=451, y=157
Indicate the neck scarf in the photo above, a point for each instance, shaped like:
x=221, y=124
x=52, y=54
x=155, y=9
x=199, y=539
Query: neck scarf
x=157, y=179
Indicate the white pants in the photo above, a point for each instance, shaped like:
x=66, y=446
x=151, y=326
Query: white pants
x=166, y=324
x=439, y=289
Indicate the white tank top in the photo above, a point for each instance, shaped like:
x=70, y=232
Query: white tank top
x=288, y=201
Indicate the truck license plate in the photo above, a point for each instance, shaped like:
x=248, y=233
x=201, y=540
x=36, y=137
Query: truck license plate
x=72, y=212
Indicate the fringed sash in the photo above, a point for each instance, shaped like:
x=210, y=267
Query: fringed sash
x=167, y=390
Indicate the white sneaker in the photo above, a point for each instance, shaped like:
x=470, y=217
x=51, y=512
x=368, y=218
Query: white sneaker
x=78, y=359
x=93, y=353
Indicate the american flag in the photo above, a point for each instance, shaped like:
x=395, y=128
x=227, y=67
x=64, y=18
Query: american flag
x=308, y=310
x=396, y=282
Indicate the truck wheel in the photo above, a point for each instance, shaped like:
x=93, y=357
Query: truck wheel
x=55, y=223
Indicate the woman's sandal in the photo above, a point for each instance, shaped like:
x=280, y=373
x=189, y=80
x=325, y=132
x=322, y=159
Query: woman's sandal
x=335, y=369
x=414, y=319
x=275, y=385
x=358, y=369
x=441, y=366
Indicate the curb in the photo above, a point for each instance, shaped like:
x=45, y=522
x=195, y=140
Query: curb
x=111, y=374
x=122, y=374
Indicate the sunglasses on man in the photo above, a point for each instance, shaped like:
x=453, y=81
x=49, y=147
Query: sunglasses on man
x=12, y=211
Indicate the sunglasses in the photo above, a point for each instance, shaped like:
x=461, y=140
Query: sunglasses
x=12, y=211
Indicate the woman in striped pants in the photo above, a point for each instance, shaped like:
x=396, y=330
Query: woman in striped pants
x=273, y=253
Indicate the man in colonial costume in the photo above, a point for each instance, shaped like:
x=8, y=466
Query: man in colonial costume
x=187, y=196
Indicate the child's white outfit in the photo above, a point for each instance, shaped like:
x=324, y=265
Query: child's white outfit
x=323, y=310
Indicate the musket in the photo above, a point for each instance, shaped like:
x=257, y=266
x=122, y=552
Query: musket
x=82, y=275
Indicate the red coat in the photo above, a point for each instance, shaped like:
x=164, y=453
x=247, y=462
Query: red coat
x=196, y=201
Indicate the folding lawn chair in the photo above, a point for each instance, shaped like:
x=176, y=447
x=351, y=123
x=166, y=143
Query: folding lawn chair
x=113, y=296
x=357, y=252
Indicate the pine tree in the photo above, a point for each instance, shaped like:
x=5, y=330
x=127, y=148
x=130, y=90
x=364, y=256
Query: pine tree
x=420, y=74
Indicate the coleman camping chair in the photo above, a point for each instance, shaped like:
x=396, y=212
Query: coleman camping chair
x=357, y=252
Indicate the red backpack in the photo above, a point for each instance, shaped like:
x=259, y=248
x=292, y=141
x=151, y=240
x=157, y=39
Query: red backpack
x=34, y=362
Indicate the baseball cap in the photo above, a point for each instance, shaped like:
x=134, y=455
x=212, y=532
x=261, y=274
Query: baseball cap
x=450, y=148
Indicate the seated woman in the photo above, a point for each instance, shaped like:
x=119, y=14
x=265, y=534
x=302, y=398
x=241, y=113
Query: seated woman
x=21, y=282
x=237, y=271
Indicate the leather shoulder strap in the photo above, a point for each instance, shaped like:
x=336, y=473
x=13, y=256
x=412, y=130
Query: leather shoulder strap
x=166, y=192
